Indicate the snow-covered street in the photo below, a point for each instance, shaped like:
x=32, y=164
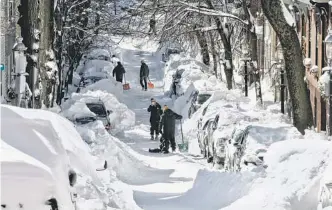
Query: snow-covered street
x=170, y=175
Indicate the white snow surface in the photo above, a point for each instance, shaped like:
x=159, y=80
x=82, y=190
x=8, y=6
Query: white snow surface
x=297, y=166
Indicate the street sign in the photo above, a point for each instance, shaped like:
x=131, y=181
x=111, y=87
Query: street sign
x=2, y=67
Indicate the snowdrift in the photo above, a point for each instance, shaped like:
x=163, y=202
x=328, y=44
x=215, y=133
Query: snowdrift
x=291, y=181
x=107, y=85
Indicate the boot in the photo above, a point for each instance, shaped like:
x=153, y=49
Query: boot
x=152, y=137
x=156, y=138
x=165, y=151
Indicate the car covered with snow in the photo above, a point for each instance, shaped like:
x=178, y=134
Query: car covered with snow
x=35, y=168
x=87, y=111
x=99, y=54
x=102, y=114
x=197, y=100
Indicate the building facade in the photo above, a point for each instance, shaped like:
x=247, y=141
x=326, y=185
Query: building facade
x=313, y=20
x=9, y=30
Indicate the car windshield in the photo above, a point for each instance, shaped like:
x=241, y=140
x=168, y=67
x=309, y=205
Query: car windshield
x=202, y=98
x=179, y=73
x=95, y=79
x=85, y=120
x=98, y=109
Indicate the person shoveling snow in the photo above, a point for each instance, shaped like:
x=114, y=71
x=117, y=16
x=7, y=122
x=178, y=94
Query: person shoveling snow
x=167, y=128
x=155, y=110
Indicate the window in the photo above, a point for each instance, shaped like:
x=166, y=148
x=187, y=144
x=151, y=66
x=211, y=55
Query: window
x=10, y=10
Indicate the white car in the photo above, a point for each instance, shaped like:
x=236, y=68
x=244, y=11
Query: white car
x=37, y=139
x=99, y=54
x=27, y=183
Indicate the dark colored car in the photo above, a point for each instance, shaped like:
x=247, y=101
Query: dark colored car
x=101, y=113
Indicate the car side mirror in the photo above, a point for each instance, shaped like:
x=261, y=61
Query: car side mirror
x=109, y=112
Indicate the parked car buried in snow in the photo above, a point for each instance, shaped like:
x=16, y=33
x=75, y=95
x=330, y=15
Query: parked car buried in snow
x=196, y=101
x=102, y=114
x=99, y=54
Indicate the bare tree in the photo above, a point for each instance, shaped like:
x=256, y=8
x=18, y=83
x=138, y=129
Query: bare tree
x=302, y=114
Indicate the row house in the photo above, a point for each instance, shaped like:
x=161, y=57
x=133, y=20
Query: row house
x=313, y=19
x=9, y=31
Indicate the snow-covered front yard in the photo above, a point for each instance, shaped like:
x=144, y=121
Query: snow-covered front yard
x=295, y=167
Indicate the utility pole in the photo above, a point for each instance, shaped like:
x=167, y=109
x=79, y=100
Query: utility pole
x=245, y=78
x=282, y=89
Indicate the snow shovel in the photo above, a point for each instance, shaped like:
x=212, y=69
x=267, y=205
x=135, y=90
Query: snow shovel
x=184, y=146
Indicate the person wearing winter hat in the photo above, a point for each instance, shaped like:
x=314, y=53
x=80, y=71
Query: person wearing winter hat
x=156, y=111
x=167, y=126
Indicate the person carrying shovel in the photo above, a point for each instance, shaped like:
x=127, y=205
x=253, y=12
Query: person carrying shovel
x=167, y=128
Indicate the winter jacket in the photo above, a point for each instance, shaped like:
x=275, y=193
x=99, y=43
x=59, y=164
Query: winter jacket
x=118, y=71
x=167, y=123
x=155, y=113
x=144, y=71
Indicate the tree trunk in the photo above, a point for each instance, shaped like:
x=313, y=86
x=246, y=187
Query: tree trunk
x=228, y=66
x=28, y=22
x=302, y=113
x=46, y=55
x=202, y=41
x=214, y=54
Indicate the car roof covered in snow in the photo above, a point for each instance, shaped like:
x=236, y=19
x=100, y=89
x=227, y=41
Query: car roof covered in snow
x=99, y=52
x=24, y=179
x=97, y=66
x=38, y=139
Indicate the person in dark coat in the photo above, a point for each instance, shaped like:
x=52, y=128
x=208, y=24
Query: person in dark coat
x=144, y=74
x=167, y=125
x=118, y=71
x=156, y=111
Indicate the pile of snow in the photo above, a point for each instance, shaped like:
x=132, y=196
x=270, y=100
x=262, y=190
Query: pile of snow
x=121, y=117
x=109, y=85
x=291, y=180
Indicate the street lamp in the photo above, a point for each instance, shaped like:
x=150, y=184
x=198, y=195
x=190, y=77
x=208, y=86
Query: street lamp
x=282, y=77
x=20, y=74
x=246, y=59
x=328, y=69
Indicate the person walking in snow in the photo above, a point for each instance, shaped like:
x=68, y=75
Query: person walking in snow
x=156, y=111
x=144, y=74
x=118, y=71
x=167, y=125
x=152, y=24
x=114, y=60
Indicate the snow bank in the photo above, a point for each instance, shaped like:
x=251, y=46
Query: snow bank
x=121, y=117
x=286, y=160
x=291, y=181
x=109, y=85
